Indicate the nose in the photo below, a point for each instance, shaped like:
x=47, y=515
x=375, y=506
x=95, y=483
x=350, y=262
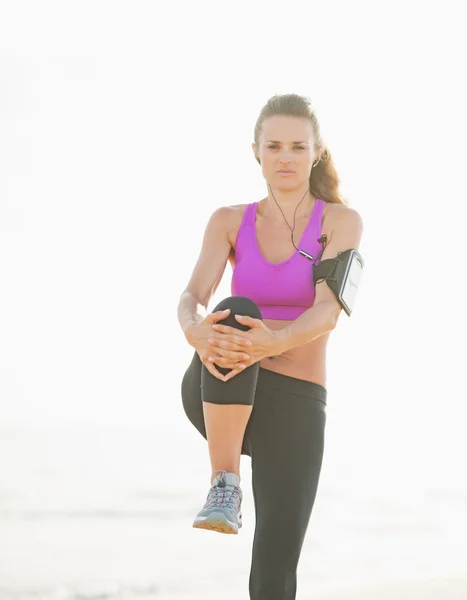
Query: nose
x=285, y=157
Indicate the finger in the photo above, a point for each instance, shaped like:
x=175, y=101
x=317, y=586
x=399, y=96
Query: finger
x=236, y=339
x=235, y=367
x=226, y=361
x=232, y=373
x=212, y=369
x=250, y=321
x=218, y=315
x=226, y=329
x=230, y=355
x=222, y=328
x=234, y=347
x=227, y=364
x=216, y=373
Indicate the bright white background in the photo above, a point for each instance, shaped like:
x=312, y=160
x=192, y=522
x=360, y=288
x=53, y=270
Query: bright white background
x=124, y=125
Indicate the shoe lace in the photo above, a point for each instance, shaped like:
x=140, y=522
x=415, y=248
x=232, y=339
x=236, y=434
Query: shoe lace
x=222, y=494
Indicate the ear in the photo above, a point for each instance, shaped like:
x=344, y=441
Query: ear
x=318, y=156
x=316, y=159
x=253, y=145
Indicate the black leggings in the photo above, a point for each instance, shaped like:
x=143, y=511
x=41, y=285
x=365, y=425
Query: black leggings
x=285, y=439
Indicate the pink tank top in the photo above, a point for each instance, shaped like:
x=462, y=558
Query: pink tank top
x=284, y=290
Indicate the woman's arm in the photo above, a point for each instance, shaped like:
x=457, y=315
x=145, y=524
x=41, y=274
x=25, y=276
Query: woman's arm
x=203, y=283
x=323, y=315
x=208, y=271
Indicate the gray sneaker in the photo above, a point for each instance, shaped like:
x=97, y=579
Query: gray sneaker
x=222, y=511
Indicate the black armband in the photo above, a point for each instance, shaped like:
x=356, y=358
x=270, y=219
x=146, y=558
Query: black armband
x=342, y=274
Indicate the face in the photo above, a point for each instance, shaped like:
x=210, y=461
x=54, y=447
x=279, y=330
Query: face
x=286, y=143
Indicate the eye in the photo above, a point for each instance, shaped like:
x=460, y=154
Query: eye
x=272, y=146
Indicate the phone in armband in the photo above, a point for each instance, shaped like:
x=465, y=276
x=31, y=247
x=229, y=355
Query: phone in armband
x=343, y=275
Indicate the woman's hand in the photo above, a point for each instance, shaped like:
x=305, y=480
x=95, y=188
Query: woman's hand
x=199, y=336
x=264, y=342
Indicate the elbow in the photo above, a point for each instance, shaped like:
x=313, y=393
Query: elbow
x=333, y=311
x=333, y=321
x=187, y=293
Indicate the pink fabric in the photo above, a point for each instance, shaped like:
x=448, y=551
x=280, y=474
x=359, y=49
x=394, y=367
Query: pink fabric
x=284, y=290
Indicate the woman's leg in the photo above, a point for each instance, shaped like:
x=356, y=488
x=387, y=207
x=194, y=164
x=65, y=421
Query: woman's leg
x=220, y=411
x=192, y=400
x=286, y=432
x=227, y=405
x=202, y=393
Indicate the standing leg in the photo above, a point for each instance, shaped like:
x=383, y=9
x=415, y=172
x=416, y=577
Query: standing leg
x=286, y=432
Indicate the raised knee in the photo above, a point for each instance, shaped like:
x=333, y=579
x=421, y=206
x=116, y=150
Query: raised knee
x=239, y=305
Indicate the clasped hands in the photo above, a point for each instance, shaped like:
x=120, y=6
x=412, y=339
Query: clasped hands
x=235, y=349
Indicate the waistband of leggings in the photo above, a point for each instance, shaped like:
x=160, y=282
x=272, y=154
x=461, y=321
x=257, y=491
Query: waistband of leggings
x=271, y=380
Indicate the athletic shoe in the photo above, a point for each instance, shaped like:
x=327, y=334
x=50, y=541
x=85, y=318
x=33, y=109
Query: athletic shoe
x=222, y=511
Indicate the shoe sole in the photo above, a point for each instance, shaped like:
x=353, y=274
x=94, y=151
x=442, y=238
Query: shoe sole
x=216, y=522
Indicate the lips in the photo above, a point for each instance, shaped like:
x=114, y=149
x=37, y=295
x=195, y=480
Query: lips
x=285, y=171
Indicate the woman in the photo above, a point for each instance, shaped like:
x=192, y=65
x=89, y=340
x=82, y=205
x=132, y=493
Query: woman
x=257, y=381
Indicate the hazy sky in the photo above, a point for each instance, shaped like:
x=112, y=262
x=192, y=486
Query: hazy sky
x=124, y=125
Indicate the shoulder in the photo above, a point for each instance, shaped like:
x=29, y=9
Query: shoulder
x=343, y=227
x=338, y=216
x=229, y=215
x=229, y=218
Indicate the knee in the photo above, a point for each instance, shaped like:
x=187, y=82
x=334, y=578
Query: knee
x=239, y=305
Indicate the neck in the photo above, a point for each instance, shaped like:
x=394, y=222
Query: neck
x=288, y=200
